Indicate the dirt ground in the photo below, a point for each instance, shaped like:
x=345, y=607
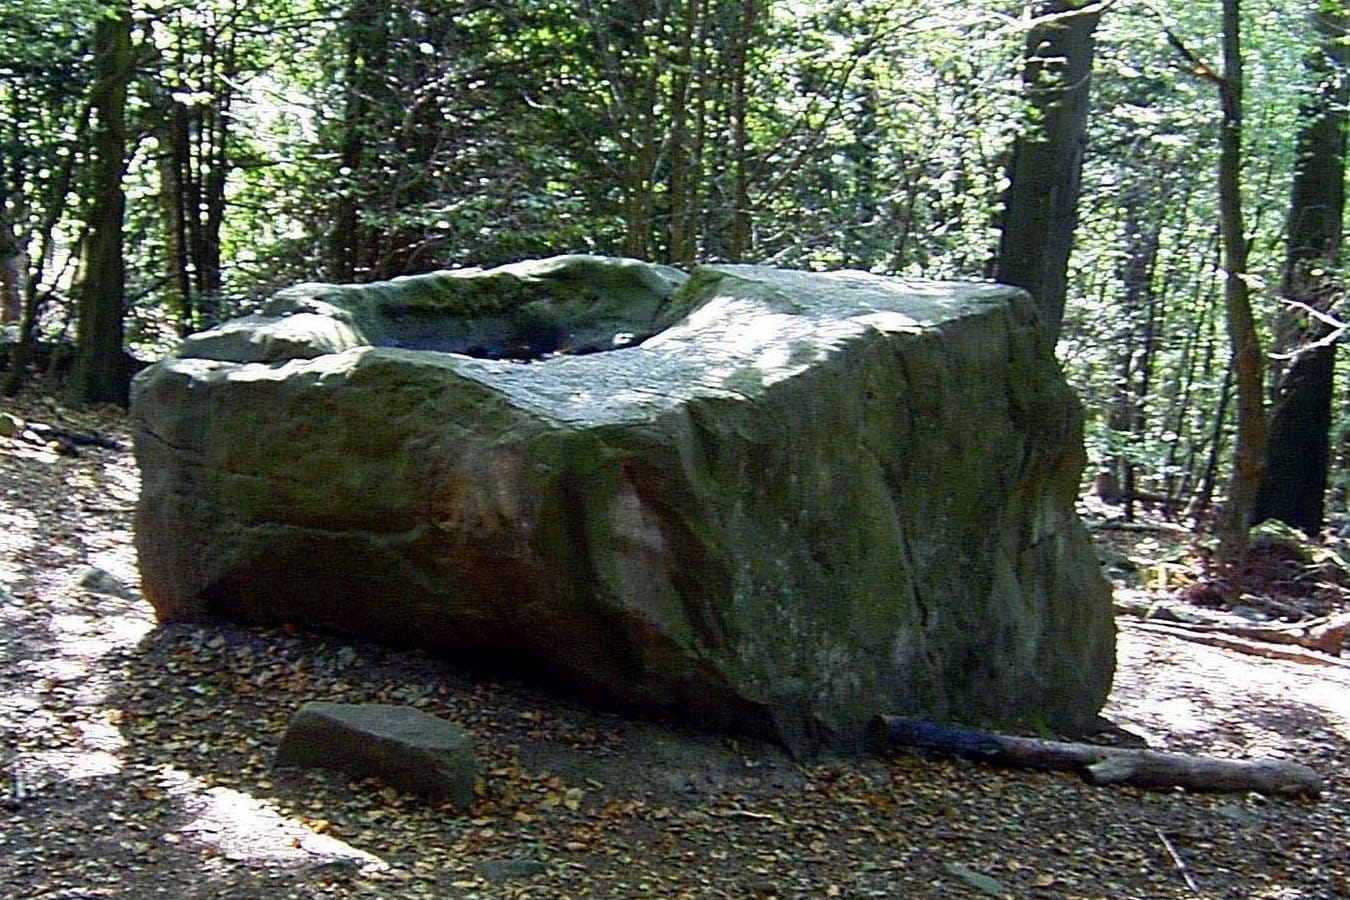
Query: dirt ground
x=137, y=759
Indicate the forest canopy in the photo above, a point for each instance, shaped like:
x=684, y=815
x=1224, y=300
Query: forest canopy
x=166, y=165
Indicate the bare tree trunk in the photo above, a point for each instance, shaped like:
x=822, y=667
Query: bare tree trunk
x=174, y=163
x=701, y=75
x=1293, y=486
x=1040, y=210
x=215, y=169
x=58, y=189
x=740, y=140
x=1249, y=451
x=13, y=235
x=1209, y=477
x=13, y=273
x=100, y=374
x=680, y=248
x=1184, y=449
x=1128, y=415
x=366, y=36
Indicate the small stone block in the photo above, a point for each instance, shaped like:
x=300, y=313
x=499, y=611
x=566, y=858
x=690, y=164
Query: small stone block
x=407, y=749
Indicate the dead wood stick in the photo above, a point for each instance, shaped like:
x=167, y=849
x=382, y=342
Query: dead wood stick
x=1241, y=645
x=1271, y=628
x=1122, y=525
x=78, y=438
x=1325, y=633
x=1177, y=861
x=1101, y=765
x=68, y=441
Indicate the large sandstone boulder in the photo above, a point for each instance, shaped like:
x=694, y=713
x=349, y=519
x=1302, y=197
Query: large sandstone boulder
x=765, y=500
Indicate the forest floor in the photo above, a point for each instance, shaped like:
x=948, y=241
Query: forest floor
x=137, y=759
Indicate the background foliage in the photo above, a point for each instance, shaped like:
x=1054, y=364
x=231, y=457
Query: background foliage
x=275, y=142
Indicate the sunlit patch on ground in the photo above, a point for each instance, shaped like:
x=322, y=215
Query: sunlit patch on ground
x=240, y=828
x=17, y=527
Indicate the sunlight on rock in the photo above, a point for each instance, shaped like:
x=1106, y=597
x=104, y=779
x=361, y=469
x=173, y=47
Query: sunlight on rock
x=892, y=321
x=244, y=829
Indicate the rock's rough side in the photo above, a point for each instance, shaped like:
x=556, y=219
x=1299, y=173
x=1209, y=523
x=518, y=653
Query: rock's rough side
x=406, y=748
x=787, y=501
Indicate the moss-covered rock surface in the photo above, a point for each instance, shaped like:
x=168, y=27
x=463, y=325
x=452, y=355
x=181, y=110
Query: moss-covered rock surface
x=768, y=501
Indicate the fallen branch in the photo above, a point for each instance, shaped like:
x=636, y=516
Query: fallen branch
x=1325, y=633
x=59, y=439
x=1102, y=765
x=1241, y=645
x=1177, y=861
x=1124, y=525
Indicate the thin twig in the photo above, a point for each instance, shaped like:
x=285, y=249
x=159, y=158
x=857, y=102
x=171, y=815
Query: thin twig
x=1180, y=863
x=1194, y=64
x=1338, y=329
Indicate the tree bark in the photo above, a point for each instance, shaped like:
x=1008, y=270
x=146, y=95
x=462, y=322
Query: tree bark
x=1131, y=390
x=740, y=139
x=58, y=188
x=13, y=272
x=1249, y=450
x=366, y=36
x=1040, y=207
x=174, y=162
x=1293, y=485
x=1102, y=765
x=681, y=245
x=101, y=374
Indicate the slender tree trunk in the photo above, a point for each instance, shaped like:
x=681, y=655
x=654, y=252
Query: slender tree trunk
x=174, y=162
x=740, y=139
x=58, y=188
x=1202, y=370
x=13, y=271
x=1293, y=486
x=215, y=167
x=863, y=155
x=1128, y=415
x=694, y=233
x=1249, y=450
x=680, y=247
x=13, y=211
x=1200, y=504
x=1040, y=208
x=1180, y=391
x=903, y=215
x=640, y=148
x=100, y=374
x=366, y=36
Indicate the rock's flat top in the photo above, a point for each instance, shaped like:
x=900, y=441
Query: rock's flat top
x=397, y=723
x=784, y=321
x=760, y=326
